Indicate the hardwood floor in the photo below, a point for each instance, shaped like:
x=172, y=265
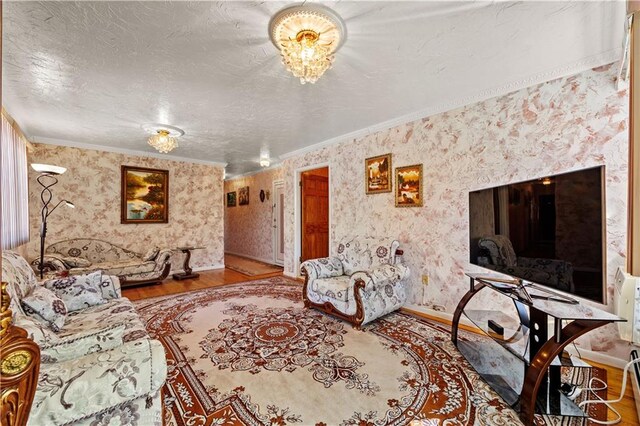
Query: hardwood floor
x=213, y=278
x=219, y=277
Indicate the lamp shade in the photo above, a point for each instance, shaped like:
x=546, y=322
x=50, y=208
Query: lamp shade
x=48, y=169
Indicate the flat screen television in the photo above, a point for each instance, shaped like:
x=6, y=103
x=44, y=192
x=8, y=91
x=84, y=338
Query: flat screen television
x=550, y=231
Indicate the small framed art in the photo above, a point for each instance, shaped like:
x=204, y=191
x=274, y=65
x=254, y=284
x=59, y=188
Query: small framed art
x=377, y=176
x=231, y=199
x=409, y=186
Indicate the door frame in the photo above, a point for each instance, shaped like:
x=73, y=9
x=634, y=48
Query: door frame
x=297, y=207
x=274, y=221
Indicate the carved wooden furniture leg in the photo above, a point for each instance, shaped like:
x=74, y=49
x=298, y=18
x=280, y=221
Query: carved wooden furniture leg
x=19, y=365
x=188, y=272
x=541, y=362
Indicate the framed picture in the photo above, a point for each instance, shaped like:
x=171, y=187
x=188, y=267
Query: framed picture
x=145, y=195
x=243, y=196
x=409, y=186
x=231, y=199
x=378, y=174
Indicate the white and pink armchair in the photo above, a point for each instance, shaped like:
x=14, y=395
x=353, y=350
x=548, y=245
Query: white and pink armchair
x=364, y=281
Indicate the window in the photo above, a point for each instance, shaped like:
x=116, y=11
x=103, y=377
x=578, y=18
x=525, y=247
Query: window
x=15, y=189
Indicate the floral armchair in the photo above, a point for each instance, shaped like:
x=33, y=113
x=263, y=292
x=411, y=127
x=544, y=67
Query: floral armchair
x=362, y=282
x=499, y=251
x=84, y=255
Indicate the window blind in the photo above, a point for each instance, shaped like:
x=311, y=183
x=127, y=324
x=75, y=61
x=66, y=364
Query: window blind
x=15, y=189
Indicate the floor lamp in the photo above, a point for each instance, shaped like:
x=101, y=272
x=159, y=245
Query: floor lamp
x=47, y=179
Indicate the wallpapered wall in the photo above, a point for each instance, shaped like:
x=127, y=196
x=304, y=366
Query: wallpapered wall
x=248, y=229
x=92, y=183
x=558, y=126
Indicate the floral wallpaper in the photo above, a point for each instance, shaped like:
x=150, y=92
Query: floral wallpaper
x=248, y=229
x=562, y=125
x=92, y=183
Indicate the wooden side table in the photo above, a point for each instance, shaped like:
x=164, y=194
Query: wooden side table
x=188, y=272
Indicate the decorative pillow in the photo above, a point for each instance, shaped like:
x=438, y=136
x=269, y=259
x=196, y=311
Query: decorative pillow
x=78, y=291
x=43, y=305
x=78, y=346
x=151, y=254
x=363, y=254
x=76, y=262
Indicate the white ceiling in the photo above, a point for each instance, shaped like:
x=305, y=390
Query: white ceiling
x=93, y=72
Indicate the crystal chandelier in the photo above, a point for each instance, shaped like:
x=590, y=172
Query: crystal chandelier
x=307, y=37
x=163, y=136
x=163, y=142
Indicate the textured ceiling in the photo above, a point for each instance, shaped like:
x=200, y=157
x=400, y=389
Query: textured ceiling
x=94, y=72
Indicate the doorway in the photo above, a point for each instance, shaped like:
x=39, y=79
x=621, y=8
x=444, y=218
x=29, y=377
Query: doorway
x=313, y=217
x=277, y=215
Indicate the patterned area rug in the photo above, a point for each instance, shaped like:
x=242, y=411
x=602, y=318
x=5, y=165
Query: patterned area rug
x=249, y=266
x=251, y=354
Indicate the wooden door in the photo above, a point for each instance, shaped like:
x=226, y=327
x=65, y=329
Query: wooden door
x=315, y=214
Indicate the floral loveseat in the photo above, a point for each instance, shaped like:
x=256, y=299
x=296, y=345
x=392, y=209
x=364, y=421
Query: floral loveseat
x=84, y=255
x=100, y=368
x=361, y=283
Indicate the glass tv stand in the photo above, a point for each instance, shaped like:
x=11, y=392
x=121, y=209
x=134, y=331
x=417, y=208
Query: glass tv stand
x=517, y=353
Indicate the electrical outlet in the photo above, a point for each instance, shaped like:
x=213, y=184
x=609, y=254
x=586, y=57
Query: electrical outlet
x=425, y=279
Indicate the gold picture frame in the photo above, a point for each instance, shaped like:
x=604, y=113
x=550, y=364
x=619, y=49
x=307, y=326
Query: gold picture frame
x=144, y=195
x=377, y=174
x=409, y=186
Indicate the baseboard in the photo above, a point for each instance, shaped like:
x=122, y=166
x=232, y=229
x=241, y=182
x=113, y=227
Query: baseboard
x=290, y=275
x=446, y=317
x=259, y=259
x=199, y=268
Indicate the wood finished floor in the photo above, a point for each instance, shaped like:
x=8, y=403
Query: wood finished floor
x=219, y=277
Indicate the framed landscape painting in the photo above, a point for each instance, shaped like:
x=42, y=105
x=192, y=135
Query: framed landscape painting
x=145, y=195
x=231, y=199
x=378, y=174
x=243, y=196
x=409, y=186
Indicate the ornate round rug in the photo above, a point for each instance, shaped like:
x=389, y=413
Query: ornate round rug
x=251, y=354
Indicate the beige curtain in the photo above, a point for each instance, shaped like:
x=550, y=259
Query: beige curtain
x=15, y=190
x=633, y=264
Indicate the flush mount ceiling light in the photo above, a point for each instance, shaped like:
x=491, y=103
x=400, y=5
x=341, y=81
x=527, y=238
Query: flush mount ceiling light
x=163, y=136
x=265, y=162
x=307, y=37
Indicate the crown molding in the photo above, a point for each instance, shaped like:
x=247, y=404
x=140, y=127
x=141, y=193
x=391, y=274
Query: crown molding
x=254, y=172
x=513, y=86
x=72, y=144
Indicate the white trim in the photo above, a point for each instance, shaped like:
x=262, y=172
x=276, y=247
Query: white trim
x=199, y=268
x=81, y=145
x=290, y=275
x=259, y=259
x=298, y=215
x=542, y=77
x=586, y=354
x=274, y=221
x=255, y=172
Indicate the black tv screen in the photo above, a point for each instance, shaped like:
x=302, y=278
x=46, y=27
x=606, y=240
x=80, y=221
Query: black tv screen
x=549, y=231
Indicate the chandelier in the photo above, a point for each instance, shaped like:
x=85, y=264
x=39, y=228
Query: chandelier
x=307, y=37
x=163, y=137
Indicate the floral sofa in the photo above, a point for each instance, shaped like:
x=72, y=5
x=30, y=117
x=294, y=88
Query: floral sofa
x=362, y=282
x=84, y=255
x=501, y=257
x=100, y=368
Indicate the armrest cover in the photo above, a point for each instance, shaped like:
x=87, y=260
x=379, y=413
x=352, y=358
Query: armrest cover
x=380, y=276
x=110, y=287
x=57, y=262
x=81, y=345
x=162, y=258
x=76, y=389
x=325, y=267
